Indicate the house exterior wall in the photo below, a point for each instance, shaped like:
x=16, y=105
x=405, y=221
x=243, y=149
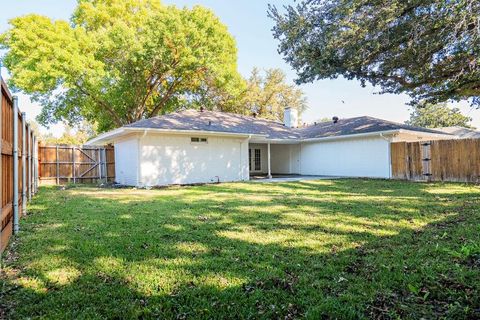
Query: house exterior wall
x=361, y=157
x=285, y=158
x=126, y=161
x=174, y=159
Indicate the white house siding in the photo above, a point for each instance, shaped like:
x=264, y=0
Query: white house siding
x=174, y=159
x=367, y=157
x=285, y=158
x=126, y=161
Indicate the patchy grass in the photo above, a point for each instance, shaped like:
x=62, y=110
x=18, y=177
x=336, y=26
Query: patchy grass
x=313, y=249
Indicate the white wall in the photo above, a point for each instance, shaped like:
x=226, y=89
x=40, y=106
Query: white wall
x=126, y=161
x=285, y=158
x=367, y=157
x=174, y=159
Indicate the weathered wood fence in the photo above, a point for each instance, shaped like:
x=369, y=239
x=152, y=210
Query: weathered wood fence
x=438, y=160
x=60, y=164
x=18, y=165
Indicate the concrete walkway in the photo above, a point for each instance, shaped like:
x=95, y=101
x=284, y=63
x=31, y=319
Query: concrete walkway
x=290, y=178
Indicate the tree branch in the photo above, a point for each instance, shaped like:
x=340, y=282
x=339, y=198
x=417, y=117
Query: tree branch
x=118, y=122
x=164, y=99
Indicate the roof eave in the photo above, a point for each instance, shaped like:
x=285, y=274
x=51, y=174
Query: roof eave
x=105, y=138
x=353, y=136
x=110, y=136
x=437, y=135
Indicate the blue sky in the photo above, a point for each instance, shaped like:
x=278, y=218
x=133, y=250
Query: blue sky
x=248, y=22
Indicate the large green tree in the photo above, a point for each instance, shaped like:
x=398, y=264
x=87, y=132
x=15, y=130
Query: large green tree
x=268, y=93
x=429, y=49
x=430, y=115
x=118, y=61
x=71, y=136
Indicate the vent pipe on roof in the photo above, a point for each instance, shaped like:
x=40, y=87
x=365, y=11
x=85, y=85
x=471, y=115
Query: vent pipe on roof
x=290, y=117
x=202, y=109
x=254, y=114
x=335, y=119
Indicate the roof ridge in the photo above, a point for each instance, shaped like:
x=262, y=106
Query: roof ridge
x=228, y=113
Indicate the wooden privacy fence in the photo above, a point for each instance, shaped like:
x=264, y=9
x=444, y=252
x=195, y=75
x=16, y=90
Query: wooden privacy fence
x=438, y=160
x=61, y=164
x=18, y=165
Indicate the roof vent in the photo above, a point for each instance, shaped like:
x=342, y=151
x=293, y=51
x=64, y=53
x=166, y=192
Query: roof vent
x=209, y=123
x=254, y=114
x=335, y=119
x=315, y=123
x=202, y=109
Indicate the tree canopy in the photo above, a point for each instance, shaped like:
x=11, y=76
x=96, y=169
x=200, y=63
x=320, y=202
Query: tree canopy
x=71, y=136
x=269, y=94
x=118, y=61
x=429, y=49
x=437, y=115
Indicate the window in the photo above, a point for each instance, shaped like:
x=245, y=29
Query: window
x=198, y=140
x=257, y=160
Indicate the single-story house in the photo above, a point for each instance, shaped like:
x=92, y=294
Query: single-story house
x=199, y=146
x=461, y=132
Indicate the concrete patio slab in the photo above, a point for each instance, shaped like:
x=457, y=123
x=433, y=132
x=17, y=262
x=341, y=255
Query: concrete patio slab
x=289, y=178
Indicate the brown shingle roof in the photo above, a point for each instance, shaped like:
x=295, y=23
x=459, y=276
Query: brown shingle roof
x=461, y=132
x=233, y=123
x=217, y=122
x=356, y=125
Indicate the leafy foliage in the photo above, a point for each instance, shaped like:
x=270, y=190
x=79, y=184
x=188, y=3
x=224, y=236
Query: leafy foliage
x=426, y=48
x=436, y=116
x=268, y=95
x=78, y=136
x=119, y=61
x=265, y=93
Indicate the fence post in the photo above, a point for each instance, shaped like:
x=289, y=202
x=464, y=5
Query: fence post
x=15, y=166
x=34, y=166
x=35, y=145
x=99, y=155
x=104, y=168
x=29, y=154
x=58, y=165
x=426, y=158
x=24, y=165
x=73, y=165
x=33, y=163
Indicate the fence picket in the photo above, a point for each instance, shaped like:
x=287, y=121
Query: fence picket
x=77, y=164
x=438, y=160
x=16, y=177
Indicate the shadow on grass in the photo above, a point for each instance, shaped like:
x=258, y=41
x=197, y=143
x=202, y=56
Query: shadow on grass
x=316, y=249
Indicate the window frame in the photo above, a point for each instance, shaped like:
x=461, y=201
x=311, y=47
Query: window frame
x=257, y=159
x=198, y=140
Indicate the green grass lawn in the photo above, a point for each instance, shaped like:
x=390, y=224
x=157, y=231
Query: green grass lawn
x=314, y=249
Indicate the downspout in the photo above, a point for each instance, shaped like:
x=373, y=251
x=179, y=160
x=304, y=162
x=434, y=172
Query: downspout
x=139, y=158
x=15, y=166
x=389, y=154
x=247, y=170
